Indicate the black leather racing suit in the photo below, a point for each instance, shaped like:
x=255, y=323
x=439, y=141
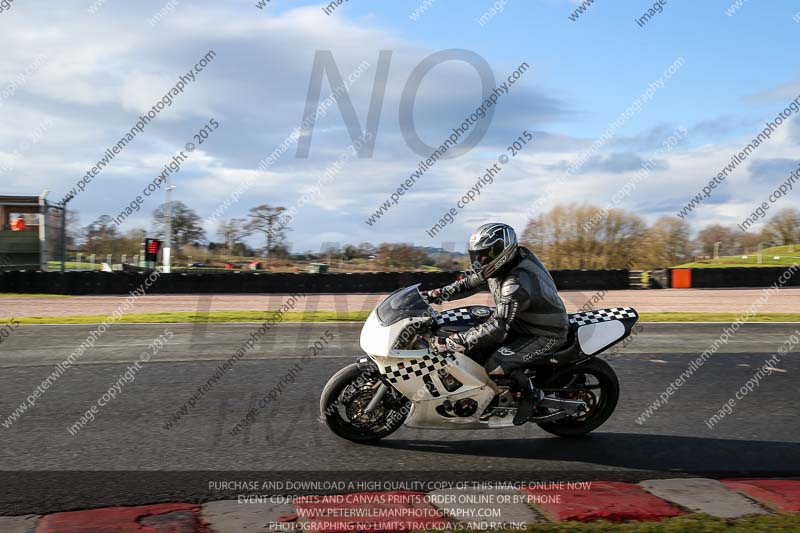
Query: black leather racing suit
x=530, y=320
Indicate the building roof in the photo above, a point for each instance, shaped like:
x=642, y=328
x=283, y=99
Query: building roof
x=17, y=200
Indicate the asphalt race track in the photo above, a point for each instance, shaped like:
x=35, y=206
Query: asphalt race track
x=126, y=456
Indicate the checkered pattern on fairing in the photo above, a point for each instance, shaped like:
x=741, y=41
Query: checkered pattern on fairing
x=415, y=368
x=601, y=315
x=453, y=315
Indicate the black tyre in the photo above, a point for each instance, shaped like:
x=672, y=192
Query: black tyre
x=345, y=398
x=593, y=382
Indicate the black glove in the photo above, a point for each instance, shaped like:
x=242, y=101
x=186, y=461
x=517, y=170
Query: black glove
x=433, y=296
x=439, y=345
x=448, y=344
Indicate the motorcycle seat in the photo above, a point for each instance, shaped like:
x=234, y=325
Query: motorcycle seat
x=566, y=354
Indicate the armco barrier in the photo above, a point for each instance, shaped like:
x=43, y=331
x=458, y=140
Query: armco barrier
x=590, y=280
x=706, y=278
x=660, y=279
x=76, y=283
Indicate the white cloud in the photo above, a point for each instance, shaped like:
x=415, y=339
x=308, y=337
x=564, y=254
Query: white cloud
x=103, y=70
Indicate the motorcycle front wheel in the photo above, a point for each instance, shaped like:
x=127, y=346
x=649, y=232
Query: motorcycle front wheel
x=344, y=401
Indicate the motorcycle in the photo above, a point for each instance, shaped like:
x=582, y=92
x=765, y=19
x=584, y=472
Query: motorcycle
x=402, y=382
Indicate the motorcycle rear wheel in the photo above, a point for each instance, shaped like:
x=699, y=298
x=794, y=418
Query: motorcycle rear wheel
x=343, y=403
x=567, y=383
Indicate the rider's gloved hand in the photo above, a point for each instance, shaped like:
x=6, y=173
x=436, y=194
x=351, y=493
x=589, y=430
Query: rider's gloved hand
x=452, y=343
x=439, y=345
x=432, y=296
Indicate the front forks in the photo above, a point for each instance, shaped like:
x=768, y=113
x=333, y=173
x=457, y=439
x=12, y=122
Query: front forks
x=379, y=394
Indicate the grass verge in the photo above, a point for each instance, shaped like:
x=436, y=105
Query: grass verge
x=717, y=317
x=191, y=317
x=350, y=316
x=789, y=262
x=684, y=524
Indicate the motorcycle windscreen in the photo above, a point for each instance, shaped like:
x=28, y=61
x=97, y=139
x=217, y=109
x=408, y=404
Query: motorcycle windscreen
x=594, y=338
x=401, y=304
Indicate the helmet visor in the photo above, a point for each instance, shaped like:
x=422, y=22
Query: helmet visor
x=480, y=258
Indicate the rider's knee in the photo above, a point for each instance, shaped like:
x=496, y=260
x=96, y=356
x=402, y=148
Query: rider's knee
x=491, y=364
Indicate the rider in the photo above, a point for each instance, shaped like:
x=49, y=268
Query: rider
x=530, y=320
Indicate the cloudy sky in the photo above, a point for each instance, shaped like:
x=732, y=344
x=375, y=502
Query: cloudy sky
x=76, y=75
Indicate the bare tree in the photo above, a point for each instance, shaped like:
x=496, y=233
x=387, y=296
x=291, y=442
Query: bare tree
x=101, y=236
x=669, y=242
x=585, y=237
x=266, y=219
x=749, y=242
x=716, y=233
x=784, y=227
x=366, y=249
x=186, y=224
x=232, y=232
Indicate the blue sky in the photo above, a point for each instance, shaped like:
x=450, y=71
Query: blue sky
x=103, y=69
x=601, y=62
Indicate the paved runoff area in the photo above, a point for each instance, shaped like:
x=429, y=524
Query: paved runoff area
x=454, y=507
x=146, y=461
x=787, y=300
x=162, y=437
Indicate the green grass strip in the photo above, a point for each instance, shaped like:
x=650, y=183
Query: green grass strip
x=191, y=317
x=716, y=317
x=350, y=316
x=787, y=263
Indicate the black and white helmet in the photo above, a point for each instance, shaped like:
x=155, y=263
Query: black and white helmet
x=491, y=247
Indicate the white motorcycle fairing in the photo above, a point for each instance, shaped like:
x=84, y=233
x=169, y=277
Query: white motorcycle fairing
x=417, y=374
x=599, y=329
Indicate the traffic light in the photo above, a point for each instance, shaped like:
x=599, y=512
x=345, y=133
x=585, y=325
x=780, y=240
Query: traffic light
x=151, y=248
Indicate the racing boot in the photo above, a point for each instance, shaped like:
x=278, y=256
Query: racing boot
x=530, y=396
